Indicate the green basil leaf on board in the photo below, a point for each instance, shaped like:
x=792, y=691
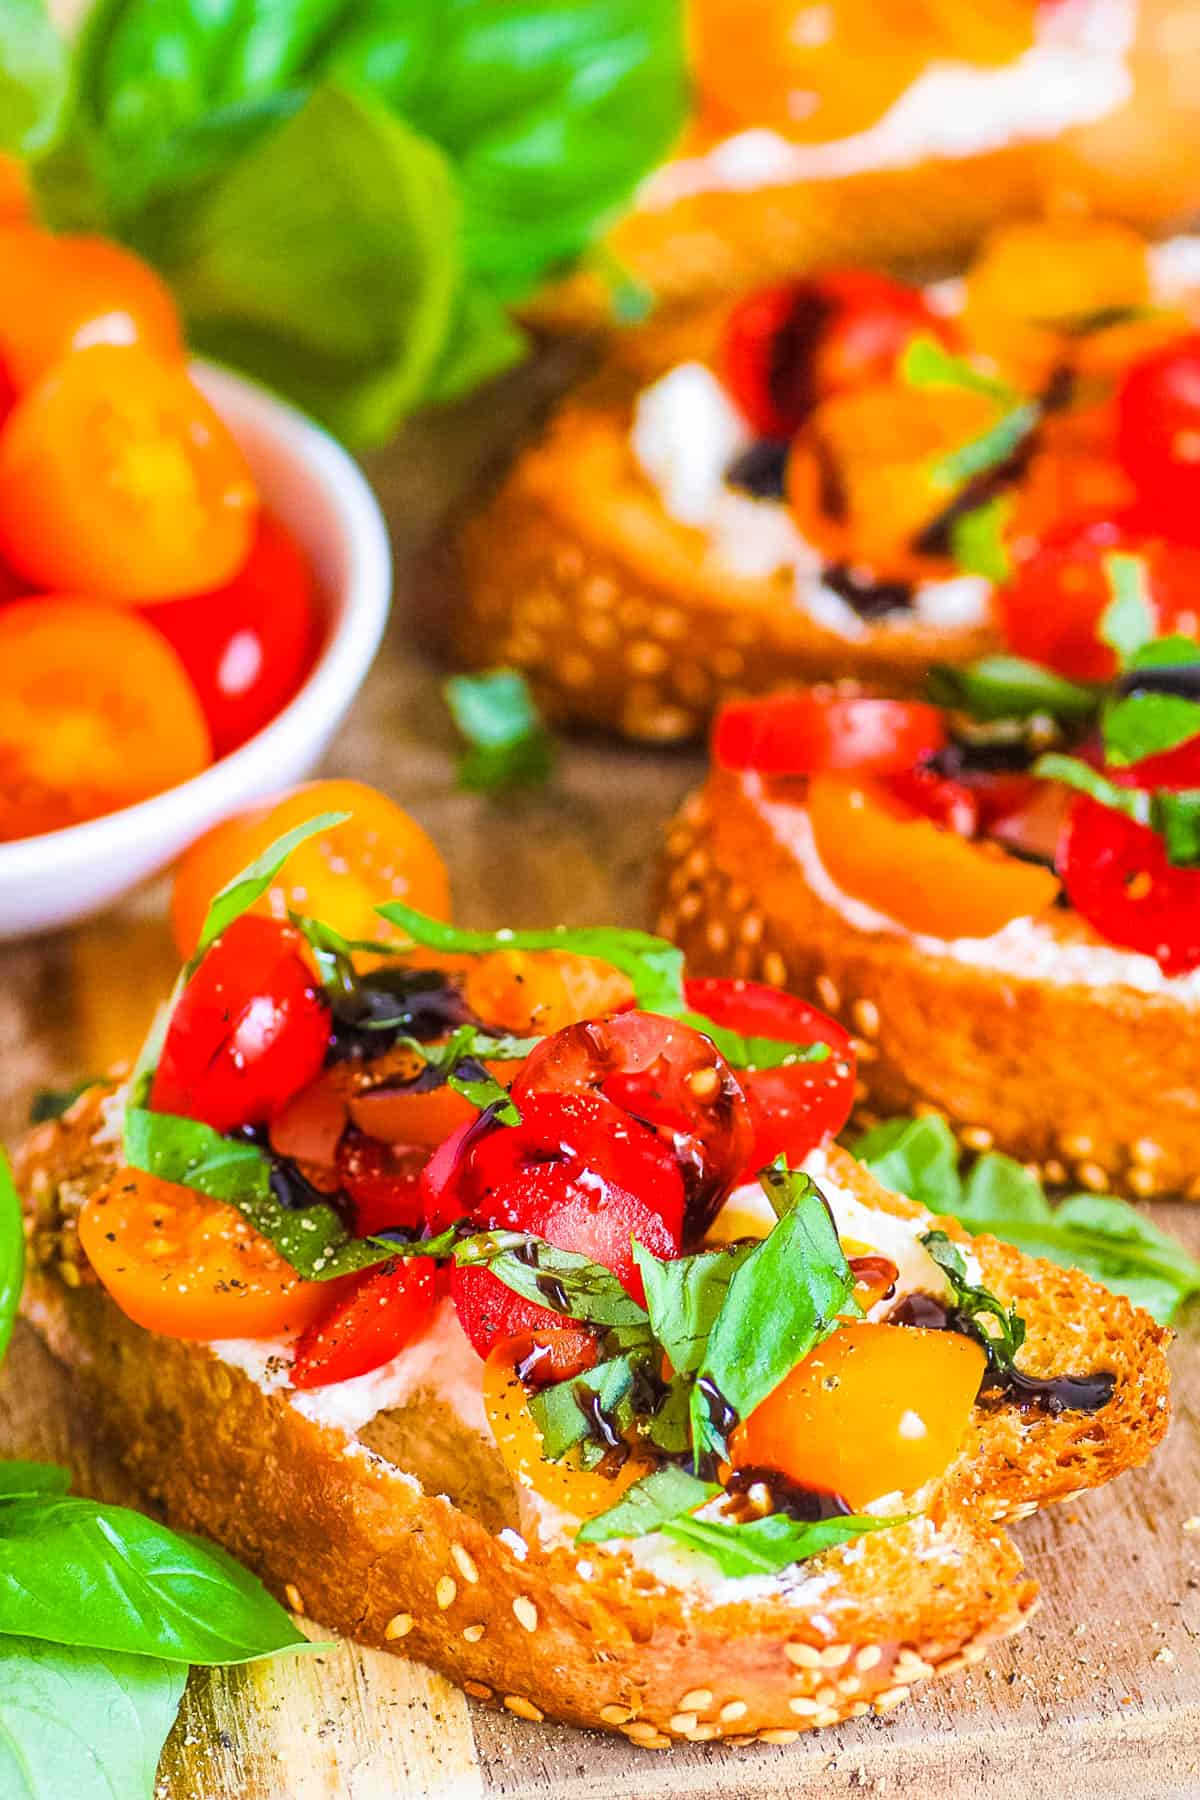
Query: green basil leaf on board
x=88, y=1724
x=508, y=745
x=12, y=1252
x=1127, y=622
x=23, y=1480
x=977, y=539
x=73, y=1571
x=1005, y=1333
x=1005, y=687
x=783, y=1299
x=766, y=1546
x=668, y=1493
x=33, y=77
x=1107, y=1238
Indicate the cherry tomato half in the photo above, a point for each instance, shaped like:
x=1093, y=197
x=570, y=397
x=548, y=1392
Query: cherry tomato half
x=383, y=1183
x=189, y=1267
x=340, y=877
x=794, y=1107
x=670, y=1077
x=1158, y=436
x=62, y=294
x=805, y=733
x=96, y=712
x=786, y=348
x=119, y=479
x=249, y=1030
x=1116, y=871
x=1052, y=607
x=873, y=1410
x=247, y=645
x=385, y=1309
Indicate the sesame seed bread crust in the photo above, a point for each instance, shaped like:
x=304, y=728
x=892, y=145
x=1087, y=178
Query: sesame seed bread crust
x=355, y=1541
x=574, y=573
x=1098, y=1085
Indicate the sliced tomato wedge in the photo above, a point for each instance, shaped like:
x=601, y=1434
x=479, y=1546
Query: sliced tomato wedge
x=927, y=879
x=795, y=1107
x=383, y=1183
x=388, y=1307
x=808, y=733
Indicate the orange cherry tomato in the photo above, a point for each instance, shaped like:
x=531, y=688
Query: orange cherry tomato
x=550, y=1355
x=528, y=992
x=117, y=478
x=379, y=854
x=14, y=191
x=425, y=1120
x=96, y=712
x=926, y=878
x=191, y=1267
x=61, y=294
x=874, y=1410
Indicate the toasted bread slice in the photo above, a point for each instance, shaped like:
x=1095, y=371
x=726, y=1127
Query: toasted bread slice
x=575, y=574
x=1097, y=1082
x=337, y=1520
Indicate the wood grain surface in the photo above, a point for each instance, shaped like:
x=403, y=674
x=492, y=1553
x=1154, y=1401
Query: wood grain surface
x=1100, y=1697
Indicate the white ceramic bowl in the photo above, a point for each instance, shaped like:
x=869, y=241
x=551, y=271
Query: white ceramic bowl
x=323, y=498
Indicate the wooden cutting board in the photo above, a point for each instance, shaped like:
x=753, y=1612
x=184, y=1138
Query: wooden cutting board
x=1101, y=1696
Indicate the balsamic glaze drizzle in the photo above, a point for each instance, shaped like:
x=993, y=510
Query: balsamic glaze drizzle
x=1053, y=1394
x=869, y=599
x=805, y=1504
x=372, y=1010
x=760, y=470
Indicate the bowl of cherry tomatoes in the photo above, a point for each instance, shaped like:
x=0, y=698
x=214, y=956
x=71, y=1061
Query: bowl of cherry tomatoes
x=194, y=579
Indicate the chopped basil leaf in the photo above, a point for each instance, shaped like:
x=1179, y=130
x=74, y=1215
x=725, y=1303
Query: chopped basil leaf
x=1005, y=687
x=977, y=1304
x=926, y=363
x=684, y=1296
x=559, y=1411
x=765, y=1546
x=457, y=1061
x=560, y=1279
x=1127, y=622
x=989, y=449
x=52, y=1103
x=1107, y=1238
x=12, y=1251
x=785, y=1296
x=1174, y=815
x=666, y=1494
x=1165, y=652
x=238, y=895
x=755, y=1052
x=977, y=539
x=670, y=1426
x=509, y=744
x=1146, y=724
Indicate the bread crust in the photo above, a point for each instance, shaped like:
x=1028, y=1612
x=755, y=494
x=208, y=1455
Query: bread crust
x=338, y=1530
x=1099, y=1085
x=573, y=573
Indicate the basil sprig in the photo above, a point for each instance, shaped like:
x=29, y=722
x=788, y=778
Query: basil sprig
x=1107, y=1238
x=508, y=744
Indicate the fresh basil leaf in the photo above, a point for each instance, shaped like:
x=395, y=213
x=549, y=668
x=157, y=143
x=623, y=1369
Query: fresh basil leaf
x=654, y=966
x=669, y=1427
x=1176, y=818
x=915, y=1157
x=927, y=363
x=558, y=1410
x=52, y=1103
x=312, y=1239
x=1174, y=815
x=783, y=1299
x=684, y=1296
x=765, y=1546
x=457, y=1061
x=1004, y=687
x=12, y=1252
x=990, y=449
x=90, y=1724
x=664, y=1495
x=481, y=342
x=73, y=1571
x=977, y=1305
x=33, y=77
x=21, y=1480
x=560, y=1279
x=755, y=1052
x=141, y=1078
x=1127, y=622
x=1135, y=803
x=1164, y=652
x=509, y=745
x=977, y=539
x=1146, y=724
x=240, y=894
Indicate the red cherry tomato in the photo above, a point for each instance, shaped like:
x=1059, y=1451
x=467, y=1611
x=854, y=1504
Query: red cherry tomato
x=1158, y=436
x=249, y=1030
x=1116, y=871
x=1051, y=609
x=813, y=732
x=666, y=1075
x=786, y=348
x=938, y=797
x=247, y=645
x=383, y=1182
x=382, y=1313
x=578, y=1174
x=792, y=1108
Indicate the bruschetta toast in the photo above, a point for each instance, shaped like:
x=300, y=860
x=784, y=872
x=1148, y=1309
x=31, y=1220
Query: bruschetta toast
x=532, y=1400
